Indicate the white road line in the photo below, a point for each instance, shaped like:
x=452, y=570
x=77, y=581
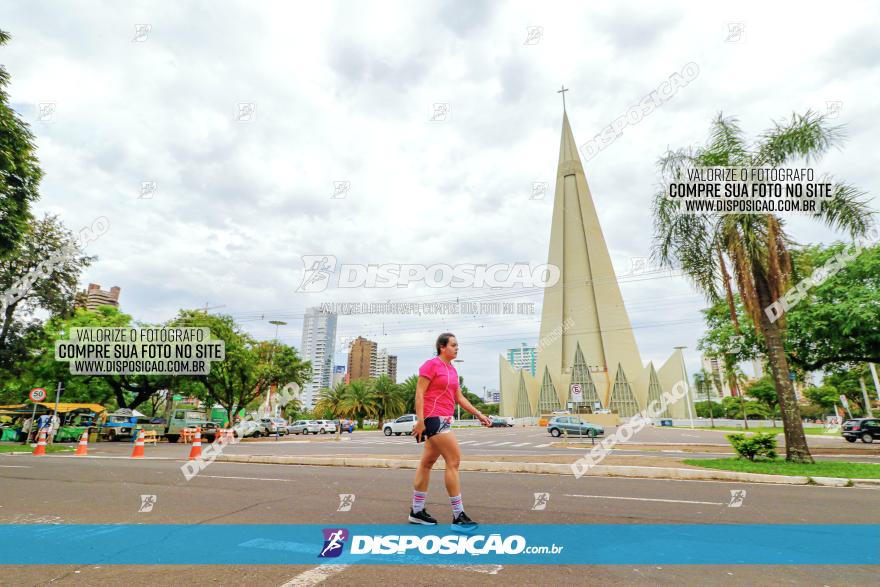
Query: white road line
x=542, y=445
x=467, y=442
x=16, y=466
x=249, y=478
x=646, y=499
x=520, y=444
x=481, y=443
x=501, y=443
x=315, y=575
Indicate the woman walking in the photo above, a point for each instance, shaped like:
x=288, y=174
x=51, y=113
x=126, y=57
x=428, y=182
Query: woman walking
x=437, y=393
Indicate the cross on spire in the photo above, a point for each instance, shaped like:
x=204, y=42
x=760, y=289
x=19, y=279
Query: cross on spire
x=562, y=91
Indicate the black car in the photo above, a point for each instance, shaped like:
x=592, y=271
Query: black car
x=865, y=428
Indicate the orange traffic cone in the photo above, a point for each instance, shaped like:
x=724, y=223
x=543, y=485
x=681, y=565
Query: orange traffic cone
x=138, y=446
x=83, y=448
x=196, y=450
x=41, y=445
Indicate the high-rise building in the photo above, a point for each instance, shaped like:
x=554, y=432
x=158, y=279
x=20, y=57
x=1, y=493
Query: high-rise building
x=385, y=364
x=94, y=296
x=586, y=338
x=361, y=359
x=715, y=368
x=523, y=357
x=338, y=374
x=318, y=343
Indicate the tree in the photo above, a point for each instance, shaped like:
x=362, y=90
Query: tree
x=127, y=391
x=836, y=322
x=359, y=402
x=764, y=392
x=329, y=401
x=709, y=409
x=755, y=246
x=20, y=172
x=704, y=383
x=388, y=397
x=408, y=389
x=42, y=274
x=824, y=396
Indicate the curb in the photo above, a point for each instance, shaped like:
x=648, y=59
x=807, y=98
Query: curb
x=560, y=469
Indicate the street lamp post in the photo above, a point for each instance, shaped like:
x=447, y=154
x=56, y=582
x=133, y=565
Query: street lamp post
x=277, y=323
x=687, y=386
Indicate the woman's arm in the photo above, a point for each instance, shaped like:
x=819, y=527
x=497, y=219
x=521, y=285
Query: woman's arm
x=421, y=387
x=463, y=402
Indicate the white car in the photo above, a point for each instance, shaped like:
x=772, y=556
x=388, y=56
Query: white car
x=403, y=425
x=324, y=426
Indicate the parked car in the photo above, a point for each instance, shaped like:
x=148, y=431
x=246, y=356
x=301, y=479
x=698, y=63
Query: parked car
x=403, y=425
x=325, y=426
x=500, y=421
x=274, y=426
x=866, y=429
x=247, y=429
x=573, y=426
x=299, y=427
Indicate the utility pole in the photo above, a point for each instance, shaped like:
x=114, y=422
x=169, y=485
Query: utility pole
x=868, y=411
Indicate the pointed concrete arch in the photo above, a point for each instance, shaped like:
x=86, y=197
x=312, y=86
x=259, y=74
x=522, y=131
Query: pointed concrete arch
x=623, y=401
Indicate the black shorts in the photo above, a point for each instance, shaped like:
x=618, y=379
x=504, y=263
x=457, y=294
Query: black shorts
x=437, y=425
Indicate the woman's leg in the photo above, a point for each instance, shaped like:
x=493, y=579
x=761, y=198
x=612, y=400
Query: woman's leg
x=423, y=473
x=447, y=446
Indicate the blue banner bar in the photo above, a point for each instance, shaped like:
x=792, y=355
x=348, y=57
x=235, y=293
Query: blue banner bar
x=582, y=544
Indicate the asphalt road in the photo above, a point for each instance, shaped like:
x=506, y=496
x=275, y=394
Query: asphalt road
x=63, y=489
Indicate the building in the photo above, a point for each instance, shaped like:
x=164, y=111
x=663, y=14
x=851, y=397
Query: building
x=523, y=357
x=715, y=368
x=385, y=364
x=361, y=359
x=586, y=337
x=318, y=343
x=94, y=296
x=338, y=375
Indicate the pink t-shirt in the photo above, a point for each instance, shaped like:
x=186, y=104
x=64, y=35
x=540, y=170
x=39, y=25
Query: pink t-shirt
x=440, y=395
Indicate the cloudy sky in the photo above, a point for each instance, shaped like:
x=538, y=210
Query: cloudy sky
x=346, y=92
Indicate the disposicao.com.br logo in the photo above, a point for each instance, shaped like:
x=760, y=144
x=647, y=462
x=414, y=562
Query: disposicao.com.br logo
x=453, y=544
x=319, y=271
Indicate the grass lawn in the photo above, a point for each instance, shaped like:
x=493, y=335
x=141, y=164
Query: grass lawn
x=782, y=467
x=18, y=447
x=777, y=430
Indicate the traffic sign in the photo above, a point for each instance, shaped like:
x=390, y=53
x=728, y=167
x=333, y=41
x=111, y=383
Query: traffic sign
x=37, y=394
x=577, y=394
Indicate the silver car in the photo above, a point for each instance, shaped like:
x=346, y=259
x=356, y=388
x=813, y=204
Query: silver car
x=299, y=427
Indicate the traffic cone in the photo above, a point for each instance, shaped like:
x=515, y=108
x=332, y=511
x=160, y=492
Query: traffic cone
x=41, y=445
x=83, y=448
x=196, y=450
x=138, y=446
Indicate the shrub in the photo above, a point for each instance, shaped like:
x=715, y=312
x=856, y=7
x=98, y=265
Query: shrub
x=758, y=445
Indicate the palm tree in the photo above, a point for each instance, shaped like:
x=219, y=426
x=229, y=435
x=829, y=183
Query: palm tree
x=389, y=399
x=408, y=389
x=330, y=400
x=754, y=245
x=703, y=382
x=358, y=402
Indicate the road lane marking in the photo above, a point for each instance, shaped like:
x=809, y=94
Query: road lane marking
x=646, y=499
x=501, y=443
x=543, y=445
x=467, y=442
x=16, y=466
x=315, y=575
x=248, y=478
x=520, y=444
